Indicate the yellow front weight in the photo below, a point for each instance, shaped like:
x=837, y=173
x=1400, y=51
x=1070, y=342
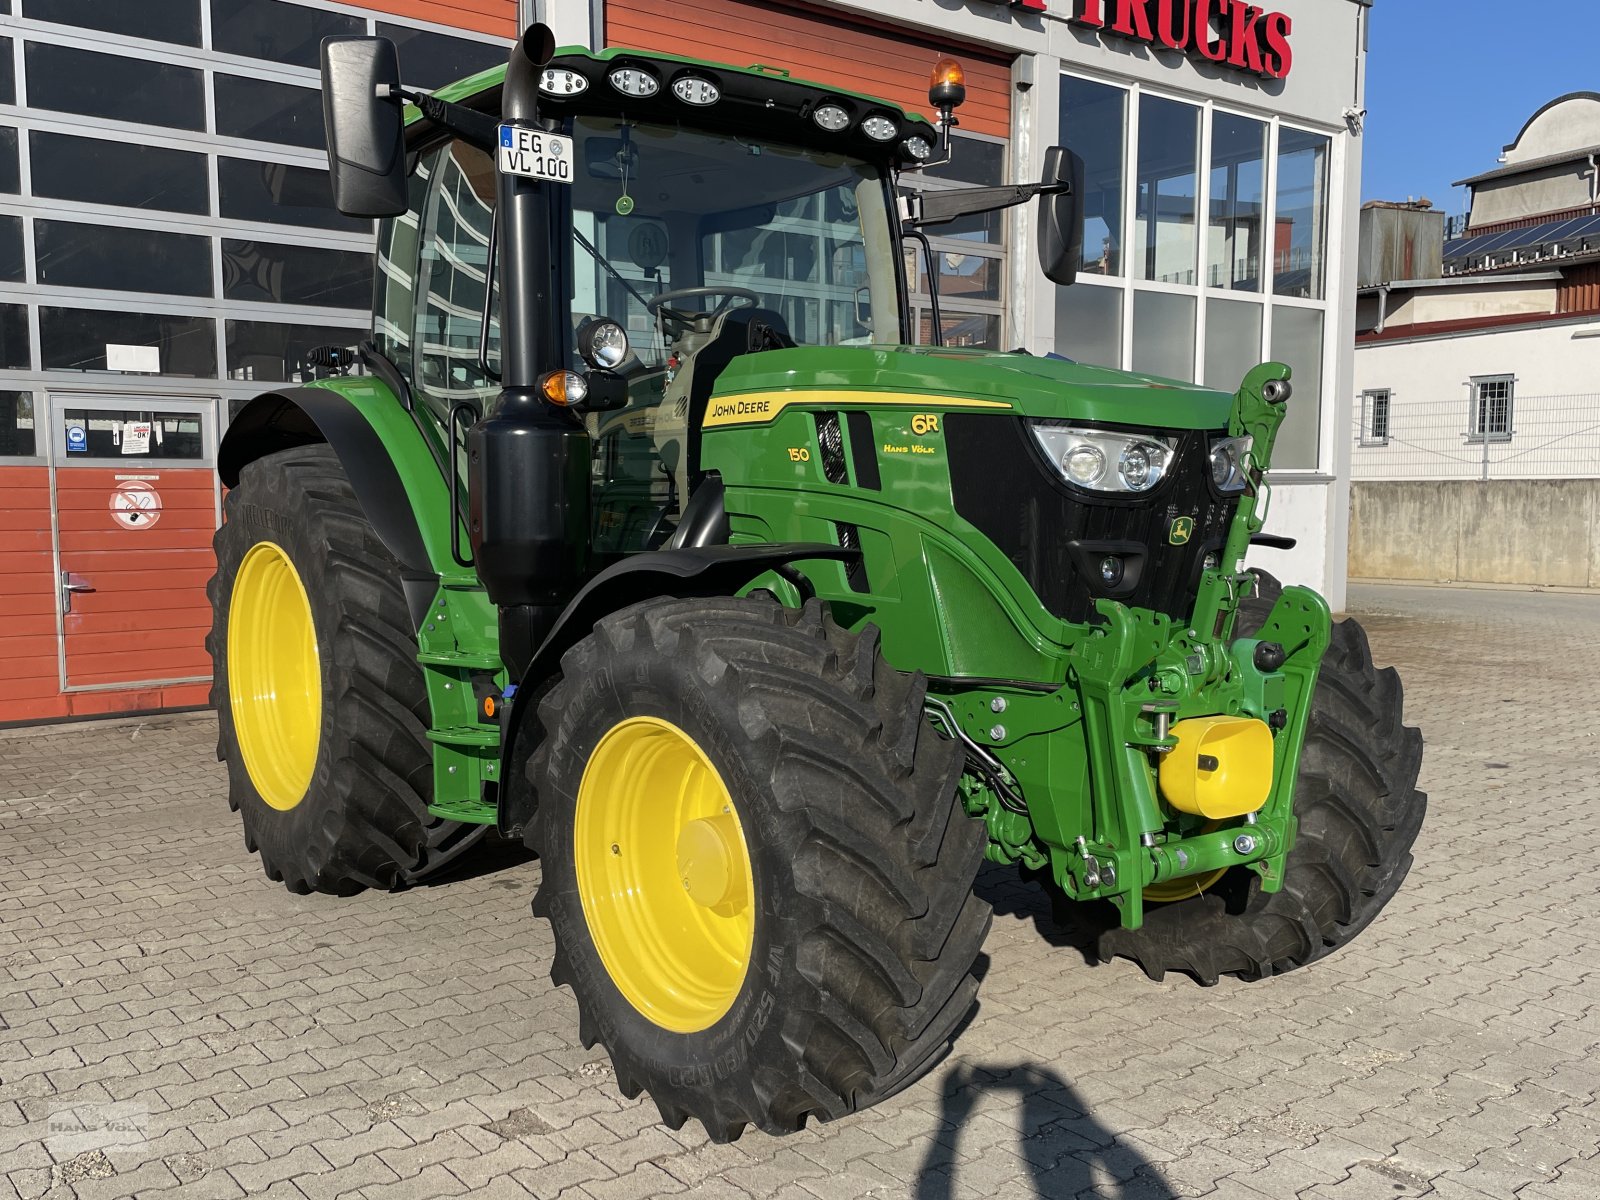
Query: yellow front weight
x=1220, y=768
x=664, y=874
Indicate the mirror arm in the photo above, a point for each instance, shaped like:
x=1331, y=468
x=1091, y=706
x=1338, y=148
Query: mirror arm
x=935, y=208
x=476, y=128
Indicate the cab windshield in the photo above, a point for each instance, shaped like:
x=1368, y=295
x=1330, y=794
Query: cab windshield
x=716, y=224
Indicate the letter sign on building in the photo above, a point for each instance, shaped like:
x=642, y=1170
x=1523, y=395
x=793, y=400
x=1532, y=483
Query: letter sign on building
x=1231, y=33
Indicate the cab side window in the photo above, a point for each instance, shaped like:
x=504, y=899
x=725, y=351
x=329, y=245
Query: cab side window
x=452, y=277
x=395, y=301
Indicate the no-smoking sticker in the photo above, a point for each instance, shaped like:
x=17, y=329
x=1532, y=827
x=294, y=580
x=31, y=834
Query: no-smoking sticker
x=135, y=505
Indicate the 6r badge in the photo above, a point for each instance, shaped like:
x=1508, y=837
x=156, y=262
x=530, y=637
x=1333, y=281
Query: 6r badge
x=1181, y=530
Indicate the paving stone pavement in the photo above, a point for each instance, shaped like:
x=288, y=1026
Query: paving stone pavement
x=222, y=1038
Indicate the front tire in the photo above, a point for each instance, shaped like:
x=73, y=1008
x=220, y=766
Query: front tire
x=1359, y=813
x=322, y=711
x=823, y=959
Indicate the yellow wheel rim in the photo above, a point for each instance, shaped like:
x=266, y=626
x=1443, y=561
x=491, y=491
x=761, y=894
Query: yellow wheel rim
x=1170, y=890
x=274, y=676
x=664, y=874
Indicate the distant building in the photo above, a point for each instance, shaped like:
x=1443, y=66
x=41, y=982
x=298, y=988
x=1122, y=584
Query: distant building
x=1476, y=432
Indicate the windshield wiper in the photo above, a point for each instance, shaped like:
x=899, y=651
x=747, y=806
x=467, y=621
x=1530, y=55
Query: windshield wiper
x=609, y=269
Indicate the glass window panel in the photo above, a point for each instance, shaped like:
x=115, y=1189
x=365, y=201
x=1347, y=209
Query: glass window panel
x=10, y=168
x=972, y=161
x=265, y=111
x=1089, y=324
x=431, y=60
x=18, y=435
x=8, y=73
x=116, y=258
x=1163, y=335
x=972, y=330
x=267, y=352
x=1297, y=340
x=1094, y=123
x=14, y=354
x=1238, y=202
x=961, y=276
x=278, y=194
x=1233, y=342
x=172, y=434
x=1164, y=225
x=278, y=274
x=95, y=171
x=398, y=251
x=159, y=20
x=66, y=79
x=285, y=33
x=1300, y=241
x=72, y=339
x=13, y=260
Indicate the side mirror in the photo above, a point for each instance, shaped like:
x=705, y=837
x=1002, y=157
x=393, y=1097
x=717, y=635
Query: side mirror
x=362, y=111
x=1061, y=217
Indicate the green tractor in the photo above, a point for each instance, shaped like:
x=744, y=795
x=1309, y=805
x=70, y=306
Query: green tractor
x=649, y=537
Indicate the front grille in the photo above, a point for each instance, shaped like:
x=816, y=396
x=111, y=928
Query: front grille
x=1056, y=535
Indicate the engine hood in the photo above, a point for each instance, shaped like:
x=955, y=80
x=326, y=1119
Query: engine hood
x=1028, y=385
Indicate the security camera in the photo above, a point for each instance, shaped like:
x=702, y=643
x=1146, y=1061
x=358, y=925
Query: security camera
x=1354, y=117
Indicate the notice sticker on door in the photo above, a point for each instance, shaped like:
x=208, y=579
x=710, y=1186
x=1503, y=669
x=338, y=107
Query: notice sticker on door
x=77, y=439
x=135, y=505
x=136, y=437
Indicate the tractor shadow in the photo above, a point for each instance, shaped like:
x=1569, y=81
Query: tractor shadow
x=491, y=856
x=1066, y=1149
x=1010, y=895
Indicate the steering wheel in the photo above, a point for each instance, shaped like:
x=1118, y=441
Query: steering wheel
x=662, y=303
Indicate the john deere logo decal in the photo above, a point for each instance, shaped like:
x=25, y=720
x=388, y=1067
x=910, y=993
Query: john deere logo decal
x=1182, y=530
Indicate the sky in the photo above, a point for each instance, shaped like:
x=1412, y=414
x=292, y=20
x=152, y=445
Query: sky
x=1451, y=82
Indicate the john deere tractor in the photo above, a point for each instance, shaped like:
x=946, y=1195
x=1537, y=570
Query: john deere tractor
x=642, y=530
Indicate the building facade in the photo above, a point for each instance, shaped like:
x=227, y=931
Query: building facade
x=171, y=250
x=1475, y=437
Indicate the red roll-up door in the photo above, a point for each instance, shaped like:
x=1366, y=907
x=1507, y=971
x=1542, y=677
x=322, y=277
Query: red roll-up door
x=818, y=45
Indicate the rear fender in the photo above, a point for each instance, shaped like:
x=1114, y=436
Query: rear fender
x=395, y=474
x=679, y=573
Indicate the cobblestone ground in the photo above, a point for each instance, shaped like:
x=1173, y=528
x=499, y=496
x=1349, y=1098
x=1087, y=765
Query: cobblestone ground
x=221, y=1037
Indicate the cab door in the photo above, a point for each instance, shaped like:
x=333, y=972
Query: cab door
x=136, y=504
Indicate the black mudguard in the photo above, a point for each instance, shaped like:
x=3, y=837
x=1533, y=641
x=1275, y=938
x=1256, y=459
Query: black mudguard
x=302, y=416
x=681, y=573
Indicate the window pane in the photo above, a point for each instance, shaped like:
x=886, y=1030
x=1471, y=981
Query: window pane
x=454, y=270
x=398, y=249
x=18, y=437
x=10, y=169
x=1233, y=342
x=278, y=194
x=1169, y=154
x=974, y=330
x=172, y=435
x=269, y=112
x=73, y=339
x=1163, y=335
x=973, y=161
x=283, y=33
x=13, y=261
x=115, y=258
x=8, y=74
x=1302, y=234
x=128, y=175
x=1089, y=324
x=1094, y=121
x=1238, y=201
x=961, y=276
x=14, y=337
x=1297, y=340
x=267, y=352
x=431, y=60
x=159, y=20
x=109, y=85
x=278, y=274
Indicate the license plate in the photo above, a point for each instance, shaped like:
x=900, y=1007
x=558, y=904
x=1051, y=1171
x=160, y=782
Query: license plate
x=535, y=154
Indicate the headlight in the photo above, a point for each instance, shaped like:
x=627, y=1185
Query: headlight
x=602, y=343
x=1228, y=463
x=1103, y=461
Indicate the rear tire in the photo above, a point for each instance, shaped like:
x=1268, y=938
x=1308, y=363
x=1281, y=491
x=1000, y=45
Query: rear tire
x=362, y=819
x=1359, y=814
x=860, y=856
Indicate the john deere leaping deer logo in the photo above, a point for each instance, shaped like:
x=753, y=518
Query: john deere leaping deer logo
x=1181, y=531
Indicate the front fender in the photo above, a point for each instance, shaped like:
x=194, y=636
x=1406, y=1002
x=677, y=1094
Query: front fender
x=395, y=476
x=681, y=572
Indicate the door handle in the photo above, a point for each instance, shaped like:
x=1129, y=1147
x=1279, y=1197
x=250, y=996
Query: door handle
x=72, y=582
